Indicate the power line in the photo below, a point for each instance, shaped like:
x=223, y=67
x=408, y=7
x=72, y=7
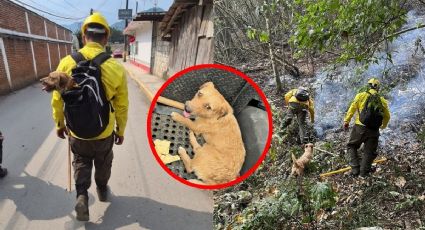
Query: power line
x=101, y=5
x=69, y=4
x=50, y=10
x=46, y=12
x=57, y=4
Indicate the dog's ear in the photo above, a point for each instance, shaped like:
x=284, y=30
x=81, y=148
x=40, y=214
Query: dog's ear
x=207, y=84
x=63, y=81
x=223, y=111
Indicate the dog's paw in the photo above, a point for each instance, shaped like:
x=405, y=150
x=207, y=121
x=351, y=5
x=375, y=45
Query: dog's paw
x=192, y=135
x=176, y=116
x=181, y=151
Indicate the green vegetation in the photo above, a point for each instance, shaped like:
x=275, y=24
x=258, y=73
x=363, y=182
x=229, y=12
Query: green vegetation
x=349, y=29
x=292, y=199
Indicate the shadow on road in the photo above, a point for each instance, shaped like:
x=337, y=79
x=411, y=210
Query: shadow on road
x=39, y=200
x=35, y=199
x=150, y=214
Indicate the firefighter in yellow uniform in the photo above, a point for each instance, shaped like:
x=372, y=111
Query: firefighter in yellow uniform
x=299, y=102
x=371, y=115
x=97, y=150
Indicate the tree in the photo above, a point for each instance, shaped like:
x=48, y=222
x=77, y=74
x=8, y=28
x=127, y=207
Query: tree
x=255, y=29
x=79, y=37
x=347, y=29
x=116, y=36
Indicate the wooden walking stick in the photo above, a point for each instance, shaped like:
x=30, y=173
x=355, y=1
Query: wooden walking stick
x=69, y=162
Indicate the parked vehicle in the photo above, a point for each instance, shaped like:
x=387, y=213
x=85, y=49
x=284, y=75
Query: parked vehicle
x=117, y=53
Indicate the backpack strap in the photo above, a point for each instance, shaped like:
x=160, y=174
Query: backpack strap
x=77, y=56
x=101, y=58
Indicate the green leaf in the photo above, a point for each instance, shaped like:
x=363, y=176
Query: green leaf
x=264, y=37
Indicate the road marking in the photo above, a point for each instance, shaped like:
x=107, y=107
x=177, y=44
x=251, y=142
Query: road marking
x=148, y=93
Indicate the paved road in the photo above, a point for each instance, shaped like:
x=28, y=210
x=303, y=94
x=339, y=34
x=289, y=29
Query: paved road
x=33, y=195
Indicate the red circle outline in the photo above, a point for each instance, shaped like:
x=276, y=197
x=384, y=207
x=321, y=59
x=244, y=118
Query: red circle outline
x=236, y=72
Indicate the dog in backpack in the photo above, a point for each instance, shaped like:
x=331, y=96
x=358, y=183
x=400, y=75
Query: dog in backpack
x=299, y=165
x=58, y=81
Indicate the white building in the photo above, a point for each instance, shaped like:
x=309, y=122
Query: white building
x=142, y=28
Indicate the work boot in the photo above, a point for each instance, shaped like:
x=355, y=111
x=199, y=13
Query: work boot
x=82, y=208
x=355, y=171
x=3, y=172
x=366, y=164
x=102, y=193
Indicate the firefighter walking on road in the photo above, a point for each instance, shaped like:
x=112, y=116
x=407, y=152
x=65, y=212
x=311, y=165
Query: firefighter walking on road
x=299, y=102
x=372, y=114
x=95, y=111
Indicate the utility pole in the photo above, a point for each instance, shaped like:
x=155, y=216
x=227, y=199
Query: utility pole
x=125, y=36
x=137, y=4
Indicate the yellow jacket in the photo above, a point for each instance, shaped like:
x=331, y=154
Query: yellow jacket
x=359, y=103
x=115, y=84
x=290, y=97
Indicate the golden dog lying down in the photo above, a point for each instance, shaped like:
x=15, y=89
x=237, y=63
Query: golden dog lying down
x=58, y=81
x=221, y=158
x=299, y=165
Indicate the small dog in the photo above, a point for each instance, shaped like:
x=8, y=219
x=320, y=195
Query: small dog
x=299, y=165
x=58, y=81
x=220, y=159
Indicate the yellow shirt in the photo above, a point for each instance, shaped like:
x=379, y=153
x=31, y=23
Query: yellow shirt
x=290, y=97
x=359, y=103
x=114, y=82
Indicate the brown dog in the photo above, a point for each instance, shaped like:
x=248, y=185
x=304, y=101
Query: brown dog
x=58, y=81
x=299, y=165
x=220, y=159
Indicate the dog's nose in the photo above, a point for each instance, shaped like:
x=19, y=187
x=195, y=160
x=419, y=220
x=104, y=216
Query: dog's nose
x=187, y=108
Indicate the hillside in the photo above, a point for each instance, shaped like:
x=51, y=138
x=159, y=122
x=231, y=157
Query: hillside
x=393, y=197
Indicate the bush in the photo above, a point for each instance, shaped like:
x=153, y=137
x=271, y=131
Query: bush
x=282, y=209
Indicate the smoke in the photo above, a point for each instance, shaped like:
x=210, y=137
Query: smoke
x=335, y=89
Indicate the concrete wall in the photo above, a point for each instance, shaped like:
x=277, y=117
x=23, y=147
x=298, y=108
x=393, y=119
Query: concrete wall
x=30, y=46
x=143, y=44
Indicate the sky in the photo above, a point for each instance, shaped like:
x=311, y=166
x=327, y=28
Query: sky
x=77, y=10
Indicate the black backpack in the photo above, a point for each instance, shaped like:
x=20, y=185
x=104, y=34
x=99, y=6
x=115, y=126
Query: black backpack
x=86, y=106
x=372, y=114
x=302, y=95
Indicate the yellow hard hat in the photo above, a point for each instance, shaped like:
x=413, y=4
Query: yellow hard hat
x=98, y=18
x=374, y=83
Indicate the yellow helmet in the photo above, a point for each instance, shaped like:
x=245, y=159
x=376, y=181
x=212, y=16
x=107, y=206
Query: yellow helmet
x=98, y=18
x=374, y=83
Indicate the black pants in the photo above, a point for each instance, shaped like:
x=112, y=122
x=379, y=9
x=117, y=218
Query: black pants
x=361, y=134
x=86, y=153
x=300, y=112
x=1, y=151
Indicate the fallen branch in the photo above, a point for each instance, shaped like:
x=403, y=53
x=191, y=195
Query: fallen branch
x=324, y=151
x=347, y=169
